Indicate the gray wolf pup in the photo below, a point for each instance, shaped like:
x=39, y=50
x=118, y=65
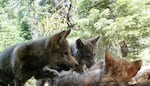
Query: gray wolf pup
x=22, y=61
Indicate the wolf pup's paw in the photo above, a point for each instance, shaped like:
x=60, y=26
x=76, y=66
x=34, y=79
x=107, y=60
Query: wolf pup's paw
x=54, y=73
x=50, y=72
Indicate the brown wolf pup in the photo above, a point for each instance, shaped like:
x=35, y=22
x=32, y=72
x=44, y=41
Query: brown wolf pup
x=118, y=72
x=84, y=52
x=115, y=73
x=20, y=62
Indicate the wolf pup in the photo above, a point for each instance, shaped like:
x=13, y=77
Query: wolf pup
x=113, y=73
x=20, y=62
x=84, y=52
x=118, y=72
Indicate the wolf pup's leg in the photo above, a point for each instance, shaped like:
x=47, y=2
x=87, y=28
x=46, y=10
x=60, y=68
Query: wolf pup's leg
x=46, y=72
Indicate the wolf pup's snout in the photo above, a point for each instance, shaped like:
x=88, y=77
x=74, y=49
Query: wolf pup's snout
x=72, y=61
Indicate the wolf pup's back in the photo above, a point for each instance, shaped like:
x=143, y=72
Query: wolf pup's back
x=6, y=75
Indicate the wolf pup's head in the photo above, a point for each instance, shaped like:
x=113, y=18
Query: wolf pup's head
x=118, y=72
x=86, y=51
x=60, y=51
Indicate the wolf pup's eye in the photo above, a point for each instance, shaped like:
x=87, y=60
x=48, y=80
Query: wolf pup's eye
x=88, y=55
x=65, y=53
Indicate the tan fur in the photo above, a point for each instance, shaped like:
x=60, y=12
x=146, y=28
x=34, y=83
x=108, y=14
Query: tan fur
x=118, y=71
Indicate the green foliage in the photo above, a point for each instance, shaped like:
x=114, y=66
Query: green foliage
x=86, y=5
x=31, y=82
x=25, y=30
x=119, y=20
x=113, y=20
x=9, y=32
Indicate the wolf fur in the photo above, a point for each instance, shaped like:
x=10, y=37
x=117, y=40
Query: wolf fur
x=22, y=61
x=84, y=52
x=116, y=72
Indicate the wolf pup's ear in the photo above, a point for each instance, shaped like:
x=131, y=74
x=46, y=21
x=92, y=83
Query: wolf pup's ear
x=62, y=36
x=57, y=39
x=94, y=40
x=133, y=68
x=79, y=44
x=67, y=33
x=109, y=61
